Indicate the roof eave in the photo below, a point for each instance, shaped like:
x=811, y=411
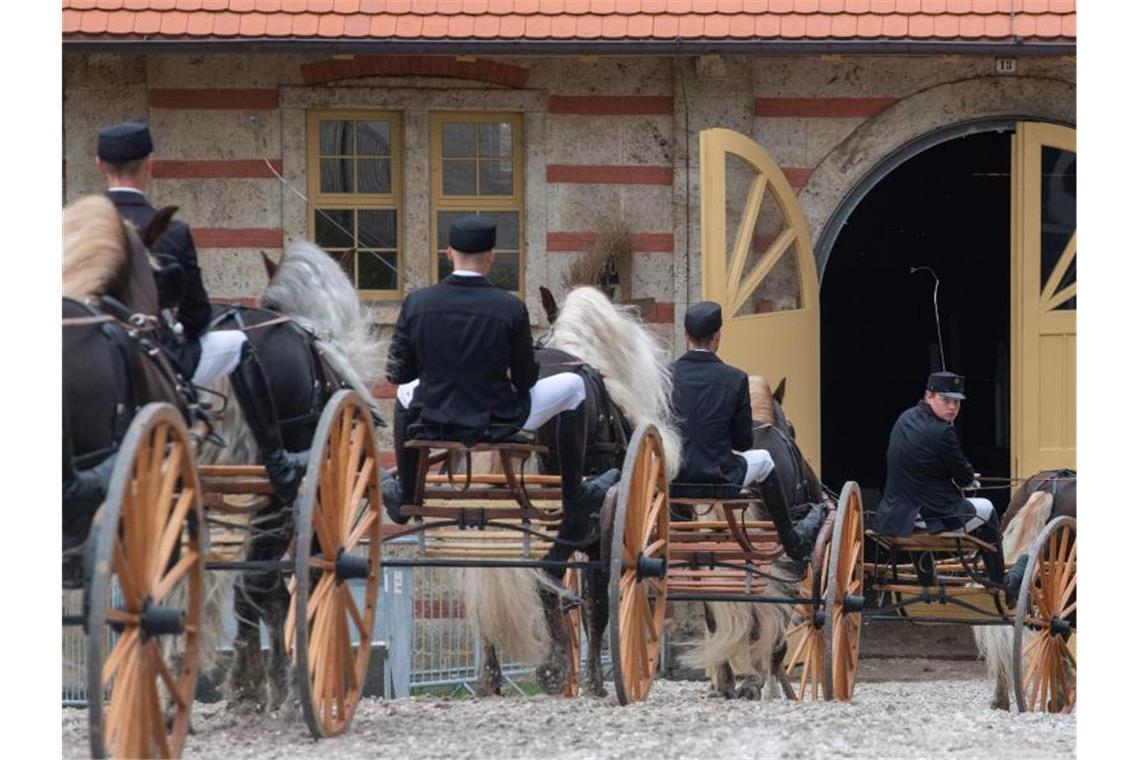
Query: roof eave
x=451, y=47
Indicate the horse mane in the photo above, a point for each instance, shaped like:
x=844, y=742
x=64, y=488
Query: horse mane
x=761, y=394
x=96, y=253
x=341, y=324
x=635, y=365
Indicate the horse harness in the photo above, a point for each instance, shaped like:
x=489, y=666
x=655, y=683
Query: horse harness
x=614, y=430
x=133, y=337
x=800, y=494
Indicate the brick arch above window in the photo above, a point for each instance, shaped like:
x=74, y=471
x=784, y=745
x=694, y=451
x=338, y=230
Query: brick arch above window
x=336, y=69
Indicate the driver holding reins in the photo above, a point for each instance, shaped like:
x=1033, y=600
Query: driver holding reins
x=926, y=474
x=463, y=358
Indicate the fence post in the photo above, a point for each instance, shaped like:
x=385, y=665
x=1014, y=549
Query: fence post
x=395, y=620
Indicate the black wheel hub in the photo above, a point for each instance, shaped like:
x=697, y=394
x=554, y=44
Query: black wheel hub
x=157, y=620
x=350, y=566
x=650, y=567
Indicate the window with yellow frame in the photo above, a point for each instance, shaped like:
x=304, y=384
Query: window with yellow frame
x=477, y=168
x=354, y=181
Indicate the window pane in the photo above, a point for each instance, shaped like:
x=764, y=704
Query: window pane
x=445, y=267
x=495, y=178
x=373, y=138
x=506, y=229
x=459, y=140
x=377, y=270
x=444, y=220
x=347, y=260
x=494, y=140
x=334, y=228
x=336, y=175
x=336, y=138
x=374, y=175
x=505, y=271
x=377, y=228
x=459, y=177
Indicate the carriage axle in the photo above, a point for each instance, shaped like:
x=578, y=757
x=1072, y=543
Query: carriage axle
x=158, y=620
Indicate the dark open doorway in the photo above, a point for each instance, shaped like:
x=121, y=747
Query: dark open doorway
x=948, y=208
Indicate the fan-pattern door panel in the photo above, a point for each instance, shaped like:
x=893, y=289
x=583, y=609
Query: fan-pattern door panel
x=1044, y=284
x=757, y=262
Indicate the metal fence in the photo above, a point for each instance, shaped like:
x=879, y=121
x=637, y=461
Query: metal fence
x=421, y=624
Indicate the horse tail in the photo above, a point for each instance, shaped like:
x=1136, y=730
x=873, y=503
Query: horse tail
x=504, y=609
x=995, y=642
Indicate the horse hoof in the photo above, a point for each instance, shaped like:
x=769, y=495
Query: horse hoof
x=750, y=692
x=552, y=678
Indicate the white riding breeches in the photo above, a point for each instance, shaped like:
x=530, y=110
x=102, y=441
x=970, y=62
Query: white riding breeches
x=760, y=465
x=983, y=511
x=549, y=396
x=221, y=352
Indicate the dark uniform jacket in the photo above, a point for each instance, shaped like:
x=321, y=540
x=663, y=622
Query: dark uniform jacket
x=714, y=410
x=925, y=469
x=469, y=344
x=179, y=279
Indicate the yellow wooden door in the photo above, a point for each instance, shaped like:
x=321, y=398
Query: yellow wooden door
x=757, y=263
x=1043, y=285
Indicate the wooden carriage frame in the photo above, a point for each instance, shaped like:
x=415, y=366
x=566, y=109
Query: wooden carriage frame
x=1043, y=650
x=151, y=538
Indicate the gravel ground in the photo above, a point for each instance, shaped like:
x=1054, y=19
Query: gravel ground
x=887, y=719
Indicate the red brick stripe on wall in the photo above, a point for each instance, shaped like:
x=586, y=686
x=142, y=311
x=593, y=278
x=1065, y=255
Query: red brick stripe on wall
x=662, y=313
x=214, y=99
x=611, y=105
x=413, y=65
x=239, y=168
x=797, y=176
x=610, y=175
x=643, y=242
x=383, y=389
x=834, y=108
x=237, y=237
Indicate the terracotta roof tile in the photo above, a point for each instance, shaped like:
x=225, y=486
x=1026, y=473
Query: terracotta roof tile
x=843, y=26
x=279, y=25
x=200, y=24
x=573, y=19
x=462, y=26
x=173, y=23
x=357, y=25
x=226, y=24
x=486, y=27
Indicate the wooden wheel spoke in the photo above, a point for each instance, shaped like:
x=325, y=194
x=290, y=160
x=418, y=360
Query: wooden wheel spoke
x=165, y=674
x=324, y=513
x=351, y=478
x=115, y=615
x=127, y=585
x=354, y=612
x=654, y=548
x=163, y=587
x=651, y=521
x=628, y=556
x=171, y=533
x=126, y=645
x=363, y=525
x=364, y=477
x=326, y=584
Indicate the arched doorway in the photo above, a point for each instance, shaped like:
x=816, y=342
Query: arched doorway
x=944, y=204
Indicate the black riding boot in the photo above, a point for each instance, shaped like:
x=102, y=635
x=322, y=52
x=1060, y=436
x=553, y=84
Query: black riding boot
x=995, y=561
x=285, y=469
x=807, y=529
x=580, y=499
x=777, y=505
x=396, y=492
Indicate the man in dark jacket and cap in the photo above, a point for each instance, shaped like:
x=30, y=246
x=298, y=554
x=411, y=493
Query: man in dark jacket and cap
x=463, y=360
x=926, y=472
x=714, y=410
x=123, y=156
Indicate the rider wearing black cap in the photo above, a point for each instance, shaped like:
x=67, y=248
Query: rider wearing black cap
x=714, y=410
x=463, y=358
x=926, y=472
x=123, y=155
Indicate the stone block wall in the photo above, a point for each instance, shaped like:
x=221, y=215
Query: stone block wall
x=607, y=141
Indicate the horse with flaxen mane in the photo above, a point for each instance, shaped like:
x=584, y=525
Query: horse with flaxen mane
x=515, y=612
x=312, y=337
x=748, y=640
x=1044, y=496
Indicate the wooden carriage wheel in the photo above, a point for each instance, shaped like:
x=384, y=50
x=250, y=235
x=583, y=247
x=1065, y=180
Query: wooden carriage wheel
x=336, y=540
x=639, y=557
x=144, y=599
x=824, y=645
x=843, y=612
x=571, y=581
x=1044, y=629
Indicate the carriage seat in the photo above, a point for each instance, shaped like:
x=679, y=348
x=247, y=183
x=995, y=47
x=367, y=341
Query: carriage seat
x=493, y=434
